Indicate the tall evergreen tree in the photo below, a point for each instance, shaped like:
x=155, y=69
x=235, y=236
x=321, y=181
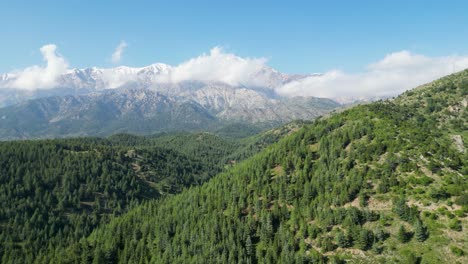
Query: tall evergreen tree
x=420, y=231
x=342, y=240
x=402, y=234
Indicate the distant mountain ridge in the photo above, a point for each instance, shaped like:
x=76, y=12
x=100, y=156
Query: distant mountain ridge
x=147, y=100
x=144, y=111
x=157, y=77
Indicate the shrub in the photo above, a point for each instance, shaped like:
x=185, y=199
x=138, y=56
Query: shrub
x=457, y=251
x=462, y=200
x=459, y=213
x=455, y=224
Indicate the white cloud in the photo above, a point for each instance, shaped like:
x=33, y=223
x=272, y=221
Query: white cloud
x=390, y=76
x=119, y=50
x=39, y=77
x=119, y=76
x=217, y=66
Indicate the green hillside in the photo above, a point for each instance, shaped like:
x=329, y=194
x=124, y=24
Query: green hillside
x=54, y=192
x=379, y=183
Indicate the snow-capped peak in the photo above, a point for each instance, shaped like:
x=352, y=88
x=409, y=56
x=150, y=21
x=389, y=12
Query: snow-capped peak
x=165, y=78
x=156, y=68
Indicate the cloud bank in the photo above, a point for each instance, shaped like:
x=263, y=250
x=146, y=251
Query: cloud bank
x=217, y=66
x=394, y=74
x=118, y=52
x=41, y=77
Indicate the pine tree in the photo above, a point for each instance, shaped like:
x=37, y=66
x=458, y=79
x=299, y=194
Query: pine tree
x=402, y=236
x=249, y=246
x=380, y=234
x=362, y=199
x=401, y=208
x=420, y=231
x=327, y=244
x=377, y=248
x=365, y=239
x=341, y=240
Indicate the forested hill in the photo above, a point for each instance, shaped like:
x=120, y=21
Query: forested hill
x=380, y=183
x=59, y=190
x=53, y=192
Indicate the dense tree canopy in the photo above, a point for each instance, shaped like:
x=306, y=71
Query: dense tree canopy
x=53, y=192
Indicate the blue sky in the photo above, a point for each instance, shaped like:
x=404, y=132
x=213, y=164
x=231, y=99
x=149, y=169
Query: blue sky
x=295, y=36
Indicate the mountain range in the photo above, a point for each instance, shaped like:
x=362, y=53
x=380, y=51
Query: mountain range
x=145, y=100
x=158, y=77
